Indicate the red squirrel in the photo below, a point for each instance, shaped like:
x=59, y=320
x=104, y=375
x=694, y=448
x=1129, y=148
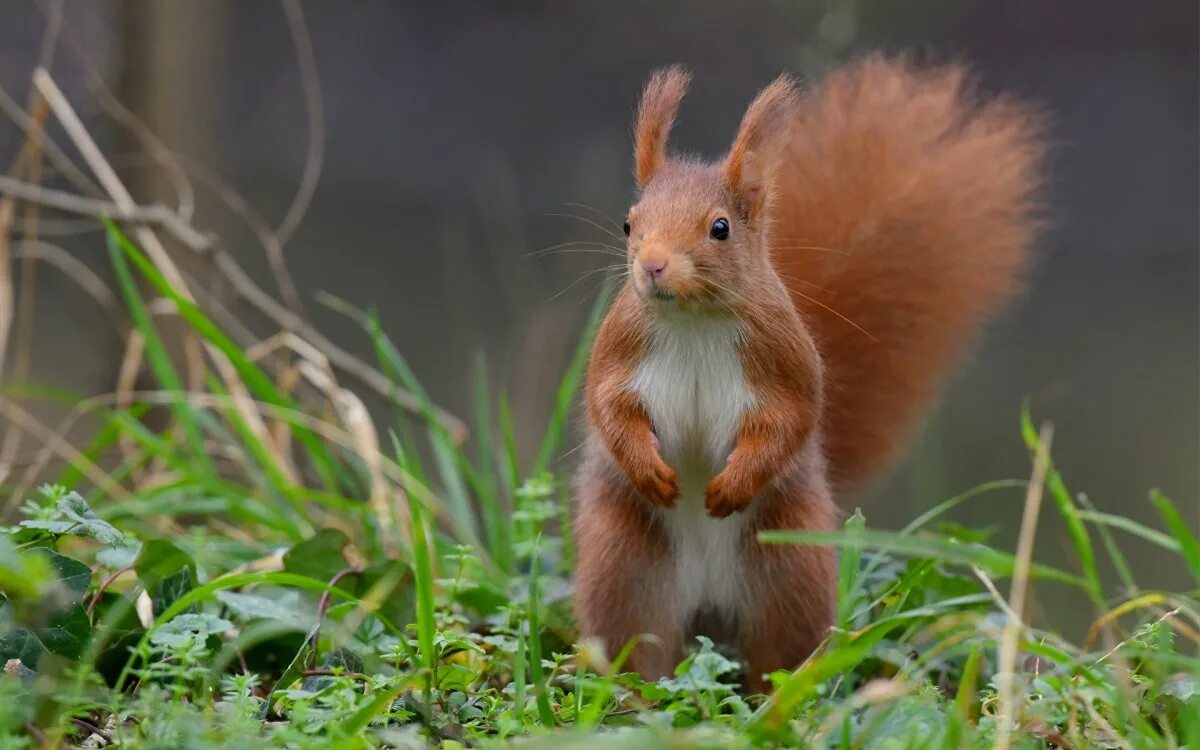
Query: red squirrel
x=786, y=314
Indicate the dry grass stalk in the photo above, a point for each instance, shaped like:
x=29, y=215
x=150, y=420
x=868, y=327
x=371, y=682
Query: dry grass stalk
x=1008, y=713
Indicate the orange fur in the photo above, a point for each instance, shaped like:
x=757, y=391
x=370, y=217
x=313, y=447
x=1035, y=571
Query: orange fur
x=616, y=414
x=906, y=210
x=873, y=224
x=758, y=142
x=656, y=115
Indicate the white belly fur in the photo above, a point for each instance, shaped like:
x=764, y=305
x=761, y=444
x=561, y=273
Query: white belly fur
x=692, y=384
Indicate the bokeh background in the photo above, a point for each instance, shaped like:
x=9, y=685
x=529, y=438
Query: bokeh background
x=452, y=133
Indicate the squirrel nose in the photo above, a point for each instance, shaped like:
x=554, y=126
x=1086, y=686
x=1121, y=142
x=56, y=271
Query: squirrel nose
x=654, y=268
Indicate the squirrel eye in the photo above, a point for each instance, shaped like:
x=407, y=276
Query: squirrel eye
x=626, y=227
x=720, y=229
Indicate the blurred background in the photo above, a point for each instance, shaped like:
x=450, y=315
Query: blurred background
x=450, y=137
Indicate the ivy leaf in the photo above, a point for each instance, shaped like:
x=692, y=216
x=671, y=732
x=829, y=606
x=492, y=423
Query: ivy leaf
x=75, y=575
x=1183, y=687
x=340, y=658
x=118, y=557
x=283, y=606
x=343, y=658
x=53, y=622
x=22, y=576
x=66, y=634
x=700, y=671
x=400, y=606
x=189, y=627
x=318, y=557
x=166, y=571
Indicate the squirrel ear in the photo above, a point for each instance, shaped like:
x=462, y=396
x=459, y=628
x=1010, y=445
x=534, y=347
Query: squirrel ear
x=762, y=134
x=656, y=115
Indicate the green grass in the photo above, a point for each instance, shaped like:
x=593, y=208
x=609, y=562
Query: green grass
x=276, y=573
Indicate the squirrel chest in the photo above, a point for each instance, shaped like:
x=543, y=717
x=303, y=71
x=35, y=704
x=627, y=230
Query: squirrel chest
x=693, y=386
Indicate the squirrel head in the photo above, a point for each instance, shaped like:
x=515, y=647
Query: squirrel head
x=698, y=231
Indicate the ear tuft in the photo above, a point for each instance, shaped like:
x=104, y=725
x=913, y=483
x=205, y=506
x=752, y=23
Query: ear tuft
x=656, y=115
x=763, y=133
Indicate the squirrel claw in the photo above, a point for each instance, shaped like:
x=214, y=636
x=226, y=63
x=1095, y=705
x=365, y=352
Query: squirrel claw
x=659, y=486
x=722, y=500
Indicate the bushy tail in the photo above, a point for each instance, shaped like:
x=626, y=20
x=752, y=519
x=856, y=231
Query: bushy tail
x=903, y=218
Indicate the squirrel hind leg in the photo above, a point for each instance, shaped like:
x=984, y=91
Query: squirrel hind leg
x=621, y=578
x=793, y=590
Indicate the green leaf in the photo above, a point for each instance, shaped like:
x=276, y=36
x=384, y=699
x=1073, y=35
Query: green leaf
x=189, y=627
x=22, y=576
x=259, y=646
x=700, y=671
x=65, y=634
x=75, y=518
x=118, y=557
x=232, y=581
x=166, y=571
x=338, y=659
x=52, y=621
x=73, y=506
x=318, y=557
x=400, y=604
x=58, y=527
x=74, y=574
x=283, y=606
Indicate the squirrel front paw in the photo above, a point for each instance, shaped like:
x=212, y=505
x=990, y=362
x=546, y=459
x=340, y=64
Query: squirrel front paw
x=657, y=483
x=723, y=497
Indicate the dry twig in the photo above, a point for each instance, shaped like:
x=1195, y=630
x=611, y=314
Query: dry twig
x=157, y=214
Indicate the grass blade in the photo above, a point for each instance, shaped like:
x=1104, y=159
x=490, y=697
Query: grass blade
x=569, y=385
x=255, y=379
x=993, y=561
x=849, y=565
x=535, y=638
x=1188, y=546
x=495, y=520
x=1082, y=541
x=1124, y=572
x=508, y=437
x=1131, y=526
x=423, y=572
x=157, y=357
